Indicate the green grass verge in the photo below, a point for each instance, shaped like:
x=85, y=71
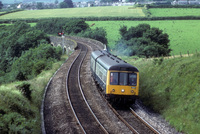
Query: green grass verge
x=122, y=11
x=172, y=88
x=183, y=34
x=18, y=114
x=174, y=12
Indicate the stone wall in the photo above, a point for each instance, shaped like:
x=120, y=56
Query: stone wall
x=64, y=42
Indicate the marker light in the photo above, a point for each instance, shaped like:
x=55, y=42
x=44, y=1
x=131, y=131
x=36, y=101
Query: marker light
x=113, y=90
x=122, y=90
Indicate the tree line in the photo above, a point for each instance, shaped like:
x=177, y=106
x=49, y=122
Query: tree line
x=25, y=51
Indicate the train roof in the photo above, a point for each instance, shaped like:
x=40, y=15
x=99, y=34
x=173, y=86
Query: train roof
x=112, y=62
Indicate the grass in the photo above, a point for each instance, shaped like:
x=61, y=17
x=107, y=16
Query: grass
x=19, y=114
x=77, y=12
x=183, y=34
x=172, y=88
x=173, y=12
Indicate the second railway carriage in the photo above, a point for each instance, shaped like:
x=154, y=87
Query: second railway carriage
x=116, y=77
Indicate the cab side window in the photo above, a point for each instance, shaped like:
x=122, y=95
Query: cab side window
x=113, y=78
x=133, y=79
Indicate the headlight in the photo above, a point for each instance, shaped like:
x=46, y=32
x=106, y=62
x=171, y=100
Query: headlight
x=113, y=90
x=122, y=90
x=132, y=91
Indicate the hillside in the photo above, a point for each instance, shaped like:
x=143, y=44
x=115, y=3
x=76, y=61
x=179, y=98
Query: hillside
x=171, y=87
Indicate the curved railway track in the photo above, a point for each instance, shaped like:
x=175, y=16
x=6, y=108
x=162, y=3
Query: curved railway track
x=81, y=109
x=72, y=92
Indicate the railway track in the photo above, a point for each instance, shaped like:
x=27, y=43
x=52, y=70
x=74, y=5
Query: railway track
x=74, y=80
x=81, y=109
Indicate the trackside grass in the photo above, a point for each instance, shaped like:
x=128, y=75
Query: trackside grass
x=122, y=11
x=19, y=114
x=172, y=88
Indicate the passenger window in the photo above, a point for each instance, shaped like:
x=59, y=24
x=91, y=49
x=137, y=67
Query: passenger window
x=113, y=78
x=123, y=79
x=133, y=79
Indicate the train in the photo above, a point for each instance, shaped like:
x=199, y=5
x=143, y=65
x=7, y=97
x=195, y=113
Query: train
x=117, y=79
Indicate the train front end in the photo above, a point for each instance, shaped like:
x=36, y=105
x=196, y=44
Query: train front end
x=122, y=84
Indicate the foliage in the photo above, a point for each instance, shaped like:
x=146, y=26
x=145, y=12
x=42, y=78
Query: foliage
x=171, y=87
x=39, y=5
x=75, y=26
x=1, y=5
x=183, y=34
x=52, y=26
x=97, y=34
x=16, y=39
x=69, y=3
x=63, y=5
x=18, y=114
x=33, y=61
x=143, y=41
x=25, y=89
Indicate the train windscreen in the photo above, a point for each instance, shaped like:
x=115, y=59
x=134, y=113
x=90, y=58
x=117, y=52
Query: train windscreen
x=121, y=78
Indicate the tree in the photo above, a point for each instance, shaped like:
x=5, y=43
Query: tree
x=97, y=34
x=75, y=26
x=1, y=5
x=40, y=5
x=63, y=5
x=56, y=1
x=143, y=40
x=69, y=3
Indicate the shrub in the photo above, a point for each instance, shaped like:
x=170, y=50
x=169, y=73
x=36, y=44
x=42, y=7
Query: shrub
x=25, y=89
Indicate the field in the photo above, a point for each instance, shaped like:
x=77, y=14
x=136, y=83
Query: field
x=173, y=12
x=77, y=12
x=183, y=34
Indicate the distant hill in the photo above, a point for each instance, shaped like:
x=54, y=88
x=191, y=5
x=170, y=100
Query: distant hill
x=45, y=1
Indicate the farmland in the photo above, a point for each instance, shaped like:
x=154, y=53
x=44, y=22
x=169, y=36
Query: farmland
x=174, y=12
x=122, y=11
x=183, y=34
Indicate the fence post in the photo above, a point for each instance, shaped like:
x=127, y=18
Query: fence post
x=180, y=54
x=188, y=53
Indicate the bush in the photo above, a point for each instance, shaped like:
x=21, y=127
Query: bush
x=96, y=34
x=74, y=27
x=143, y=40
x=52, y=26
x=33, y=61
x=25, y=89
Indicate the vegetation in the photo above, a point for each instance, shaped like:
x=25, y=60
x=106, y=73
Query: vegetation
x=1, y=5
x=183, y=34
x=143, y=40
x=174, y=12
x=122, y=11
x=20, y=103
x=171, y=87
x=75, y=27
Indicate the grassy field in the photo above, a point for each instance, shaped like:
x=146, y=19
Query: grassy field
x=77, y=12
x=171, y=88
x=173, y=12
x=183, y=34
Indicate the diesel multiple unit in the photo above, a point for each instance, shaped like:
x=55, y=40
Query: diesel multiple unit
x=118, y=79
